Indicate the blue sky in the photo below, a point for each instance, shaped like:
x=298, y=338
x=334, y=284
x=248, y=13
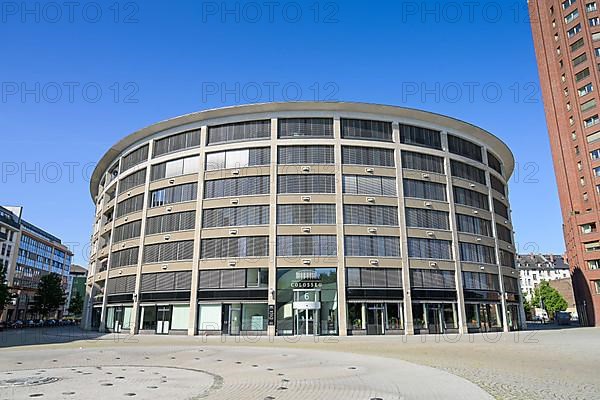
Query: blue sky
x=76, y=80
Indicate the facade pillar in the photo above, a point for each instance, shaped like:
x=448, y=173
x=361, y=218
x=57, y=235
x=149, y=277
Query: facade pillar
x=460, y=296
x=339, y=209
x=272, y=286
x=409, y=328
x=193, y=314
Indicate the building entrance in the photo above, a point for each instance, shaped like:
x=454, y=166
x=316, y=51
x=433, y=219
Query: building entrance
x=307, y=307
x=163, y=320
x=375, y=319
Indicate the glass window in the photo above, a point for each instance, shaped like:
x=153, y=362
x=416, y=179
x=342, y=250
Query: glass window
x=235, y=216
x=422, y=162
x=180, y=316
x=257, y=277
x=314, y=183
x=419, y=136
x=310, y=245
x=593, y=264
x=581, y=75
x=134, y=158
x=170, y=169
x=477, y=253
x=372, y=246
x=424, y=190
x=305, y=155
x=589, y=7
x=430, y=248
x=355, y=214
x=594, y=137
x=367, y=156
x=423, y=218
x=306, y=214
x=571, y=16
x=149, y=318
x=366, y=129
x=582, y=91
x=474, y=225
x=244, y=186
x=177, y=142
x=209, y=317
x=239, y=131
x=251, y=246
x=465, y=148
x=254, y=317
x=578, y=60
x=215, y=161
x=394, y=320
x=300, y=127
x=174, y=168
x=577, y=45
x=494, y=163
x=574, y=30
x=191, y=165
x=237, y=159
x=588, y=105
x=471, y=198
x=468, y=172
x=134, y=180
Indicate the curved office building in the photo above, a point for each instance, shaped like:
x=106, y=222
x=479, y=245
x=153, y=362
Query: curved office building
x=307, y=218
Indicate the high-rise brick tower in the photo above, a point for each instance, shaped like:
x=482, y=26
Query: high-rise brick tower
x=567, y=45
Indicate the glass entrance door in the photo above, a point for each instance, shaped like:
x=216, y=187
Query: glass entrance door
x=375, y=319
x=306, y=322
x=118, y=319
x=434, y=318
x=163, y=319
x=235, y=319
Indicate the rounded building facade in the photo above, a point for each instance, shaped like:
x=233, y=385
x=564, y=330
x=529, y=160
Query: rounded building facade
x=304, y=218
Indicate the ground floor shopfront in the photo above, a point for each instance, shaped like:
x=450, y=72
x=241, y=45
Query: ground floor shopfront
x=305, y=301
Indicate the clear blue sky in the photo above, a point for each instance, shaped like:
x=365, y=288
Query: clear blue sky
x=154, y=60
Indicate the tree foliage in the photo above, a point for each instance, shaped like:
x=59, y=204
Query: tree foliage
x=526, y=305
x=548, y=298
x=76, y=304
x=4, y=292
x=49, y=296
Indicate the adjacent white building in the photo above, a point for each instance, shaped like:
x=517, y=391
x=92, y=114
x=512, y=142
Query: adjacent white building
x=535, y=268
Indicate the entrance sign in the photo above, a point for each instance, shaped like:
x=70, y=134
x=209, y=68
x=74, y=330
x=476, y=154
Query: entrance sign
x=271, y=314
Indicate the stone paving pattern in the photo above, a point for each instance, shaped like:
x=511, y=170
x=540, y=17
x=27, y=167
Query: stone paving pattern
x=559, y=364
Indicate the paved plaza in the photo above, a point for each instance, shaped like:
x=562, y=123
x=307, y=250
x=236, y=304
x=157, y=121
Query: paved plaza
x=61, y=364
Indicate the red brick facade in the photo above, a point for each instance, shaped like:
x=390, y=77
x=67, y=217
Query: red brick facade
x=562, y=35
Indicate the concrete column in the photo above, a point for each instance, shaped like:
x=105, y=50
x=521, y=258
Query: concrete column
x=363, y=316
x=193, y=315
x=409, y=328
x=339, y=199
x=102, y=327
x=462, y=318
x=497, y=249
x=134, y=324
x=272, y=287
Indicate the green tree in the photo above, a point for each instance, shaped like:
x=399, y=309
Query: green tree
x=548, y=298
x=49, y=296
x=526, y=305
x=4, y=292
x=76, y=304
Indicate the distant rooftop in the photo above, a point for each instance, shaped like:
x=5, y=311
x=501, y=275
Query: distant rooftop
x=14, y=214
x=78, y=270
x=537, y=261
